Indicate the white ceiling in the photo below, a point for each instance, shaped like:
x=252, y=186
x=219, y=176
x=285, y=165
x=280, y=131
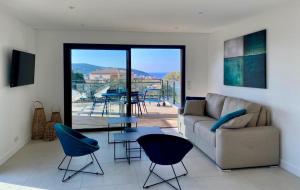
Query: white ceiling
x=136, y=15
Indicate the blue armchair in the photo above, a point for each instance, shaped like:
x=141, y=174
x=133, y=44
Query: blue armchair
x=165, y=149
x=75, y=144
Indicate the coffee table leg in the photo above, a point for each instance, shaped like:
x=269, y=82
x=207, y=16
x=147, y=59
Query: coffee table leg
x=108, y=133
x=140, y=152
x=126, y=153
x=114, y=150
x=129, y=152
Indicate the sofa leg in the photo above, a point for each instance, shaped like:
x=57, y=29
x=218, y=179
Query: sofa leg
x=223, y=170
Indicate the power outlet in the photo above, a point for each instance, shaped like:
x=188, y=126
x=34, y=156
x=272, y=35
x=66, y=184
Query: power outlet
x=188, y=84
x=16, y=139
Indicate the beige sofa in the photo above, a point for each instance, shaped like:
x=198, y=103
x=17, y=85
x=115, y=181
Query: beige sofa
x=253, y=146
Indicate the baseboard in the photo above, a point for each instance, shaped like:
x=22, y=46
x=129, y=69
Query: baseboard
x=290, y=167
x=12, y=151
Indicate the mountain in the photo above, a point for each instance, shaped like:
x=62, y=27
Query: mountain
x=85, y=68
x=140, y=73
x=158, y=75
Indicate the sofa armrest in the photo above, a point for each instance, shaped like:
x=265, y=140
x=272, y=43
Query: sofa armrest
x=247, y=147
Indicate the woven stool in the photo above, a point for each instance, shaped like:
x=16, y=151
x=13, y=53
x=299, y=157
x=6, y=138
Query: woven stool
x=55, y=117
x=38, y=121
x=49, y=133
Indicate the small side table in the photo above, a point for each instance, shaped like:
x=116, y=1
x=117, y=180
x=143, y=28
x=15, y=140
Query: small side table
x=122, y=121
x=131, y=137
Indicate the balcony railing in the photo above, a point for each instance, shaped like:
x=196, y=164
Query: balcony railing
x=157, y=89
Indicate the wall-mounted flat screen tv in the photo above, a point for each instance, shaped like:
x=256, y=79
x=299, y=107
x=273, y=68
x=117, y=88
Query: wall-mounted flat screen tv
x=22, y=68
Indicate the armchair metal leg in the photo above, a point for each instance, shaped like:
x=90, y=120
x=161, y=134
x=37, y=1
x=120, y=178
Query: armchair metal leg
x=61, y=162
x=64, y=179
x=102, y=172
x=175, y=176
x=186, y=171
x=151, y=171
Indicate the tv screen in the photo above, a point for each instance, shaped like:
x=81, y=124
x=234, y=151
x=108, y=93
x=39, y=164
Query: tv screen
x=22, y=68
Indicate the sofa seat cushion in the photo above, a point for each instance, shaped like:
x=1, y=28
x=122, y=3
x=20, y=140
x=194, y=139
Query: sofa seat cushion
x=232, y=104
x=191, y=120
x=202, y=129
x=214, y=105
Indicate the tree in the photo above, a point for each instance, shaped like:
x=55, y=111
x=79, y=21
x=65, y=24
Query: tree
x=173, y=76
x=78, y=77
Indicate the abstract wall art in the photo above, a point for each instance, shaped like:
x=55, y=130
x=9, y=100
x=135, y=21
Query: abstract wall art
x=245, y=60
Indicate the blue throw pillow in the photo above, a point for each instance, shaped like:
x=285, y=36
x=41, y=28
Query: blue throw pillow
x=226, y=118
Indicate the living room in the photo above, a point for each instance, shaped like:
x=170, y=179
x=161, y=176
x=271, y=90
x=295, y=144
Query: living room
x=203, y=28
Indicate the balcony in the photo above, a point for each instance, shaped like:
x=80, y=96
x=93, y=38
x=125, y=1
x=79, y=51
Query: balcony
x=161, y=99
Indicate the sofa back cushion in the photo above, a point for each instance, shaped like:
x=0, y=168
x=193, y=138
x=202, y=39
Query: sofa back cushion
x=231, y=104
x=238, y=122
x=194, y=107
x=214, y=105
x=227, y=118
x=264, y=117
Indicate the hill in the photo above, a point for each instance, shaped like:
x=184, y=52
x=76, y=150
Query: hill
x=85, y=68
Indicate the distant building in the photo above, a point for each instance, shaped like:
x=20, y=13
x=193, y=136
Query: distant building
x=107, y=74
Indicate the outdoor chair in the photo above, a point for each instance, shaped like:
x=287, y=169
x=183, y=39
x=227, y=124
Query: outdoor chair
x=142, y=100
x=165, y=149
x=135, y=102
x=108, y=99
x=74, y=145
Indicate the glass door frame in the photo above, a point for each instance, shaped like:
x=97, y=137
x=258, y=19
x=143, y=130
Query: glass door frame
x=68, y=47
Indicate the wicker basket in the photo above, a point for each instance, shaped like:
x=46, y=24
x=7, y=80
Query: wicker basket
x=49, y=134
x=55, y=117
x=39, y=121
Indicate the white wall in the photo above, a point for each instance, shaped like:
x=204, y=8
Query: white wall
x=50, y=56
x=15, y=103
x=283, y=74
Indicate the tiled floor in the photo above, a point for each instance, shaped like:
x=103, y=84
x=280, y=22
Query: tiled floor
x=35, y=167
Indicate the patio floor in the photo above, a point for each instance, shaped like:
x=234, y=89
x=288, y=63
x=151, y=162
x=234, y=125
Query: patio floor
x=87, y=116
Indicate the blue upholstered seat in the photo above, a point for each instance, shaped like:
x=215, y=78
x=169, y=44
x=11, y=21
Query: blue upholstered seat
x=75, y=144
x=165, y=149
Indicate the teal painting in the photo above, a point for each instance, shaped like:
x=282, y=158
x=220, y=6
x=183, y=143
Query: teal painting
x=234, y=69
x=245, y=60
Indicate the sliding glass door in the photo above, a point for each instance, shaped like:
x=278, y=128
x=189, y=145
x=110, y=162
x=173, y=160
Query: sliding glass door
x=157, y=77
x=104, y=81
x=98, y=86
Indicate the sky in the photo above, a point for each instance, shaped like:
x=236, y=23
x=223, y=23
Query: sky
x=148, y=60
